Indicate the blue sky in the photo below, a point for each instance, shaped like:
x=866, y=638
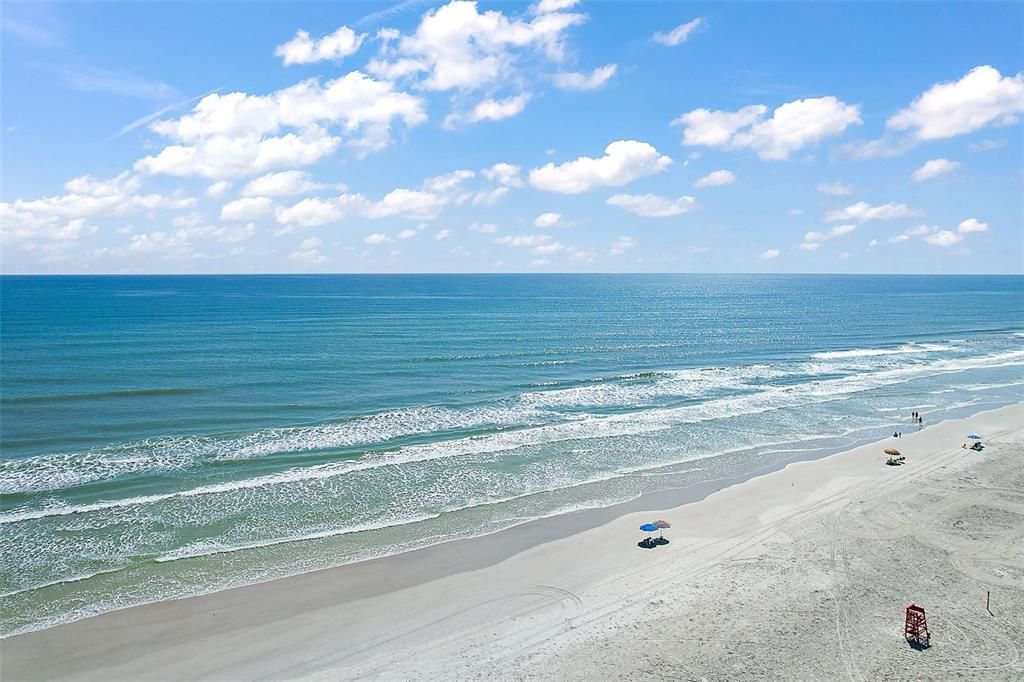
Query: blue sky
x=508, y=137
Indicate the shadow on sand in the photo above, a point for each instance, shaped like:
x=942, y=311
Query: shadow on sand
x=651, y=543
x=919, y=645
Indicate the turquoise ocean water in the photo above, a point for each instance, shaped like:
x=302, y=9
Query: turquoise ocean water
x=167, y=436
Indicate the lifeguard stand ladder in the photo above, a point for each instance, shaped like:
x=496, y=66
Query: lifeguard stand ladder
x=916, y=627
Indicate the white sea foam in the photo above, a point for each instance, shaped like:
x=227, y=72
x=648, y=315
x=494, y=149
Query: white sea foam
x=583, y=427
x=966, y=403
x=987, y=387
x=692, y=383
x=544, y=363
x=57, y=471
x=61, y=581
x=905, y=349
x=209, y=547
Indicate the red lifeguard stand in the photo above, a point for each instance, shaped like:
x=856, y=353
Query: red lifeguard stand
x=916, y=627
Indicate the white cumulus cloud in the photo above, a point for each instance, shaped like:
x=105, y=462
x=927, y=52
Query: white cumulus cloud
x=218, y=189
x=504, y=174
x=546, y=6
x=247, y=208
x=982, y=97
x=313, y=212
x=491, y=110
x=679, y=34
x=812, y=240
x=652, y=205
x=716, y=179
x=192, y=227
x=943, y=238
x=770, y=254
x=308, y=252
x=283, y=184
x=940, y=237
x=489, y=197
x=539, y=244
x=548, y=249
x=219, y=156
x=448, y=181
x=792, y=126
x=933, y=169
x=862, y=212
x=547, y=219
x=586, y=81
x=401, y=202
x=86, y=197
x=302, y=49
x=377, y=239
x=526, y=240
x=241, y=134
x=458, y=47
x=972, y=225
x=623, y=162
x=407, y=203
x=56, y=231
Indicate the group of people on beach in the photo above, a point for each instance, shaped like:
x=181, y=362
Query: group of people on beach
x=651, y=543
x=915, y=417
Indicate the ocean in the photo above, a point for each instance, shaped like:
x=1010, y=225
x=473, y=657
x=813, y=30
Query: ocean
x=165, y=436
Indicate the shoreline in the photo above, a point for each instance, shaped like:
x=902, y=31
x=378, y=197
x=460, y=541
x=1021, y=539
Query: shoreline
x=281, y=614
x=459, y=555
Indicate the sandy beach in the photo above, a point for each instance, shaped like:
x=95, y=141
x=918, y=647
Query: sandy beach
x=801, y=573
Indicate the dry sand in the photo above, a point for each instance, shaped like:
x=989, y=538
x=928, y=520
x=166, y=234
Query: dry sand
x=799, y=574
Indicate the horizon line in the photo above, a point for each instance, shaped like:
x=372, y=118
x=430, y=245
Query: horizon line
x=518, y=272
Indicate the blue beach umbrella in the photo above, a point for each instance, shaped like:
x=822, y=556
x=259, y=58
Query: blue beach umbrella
x=648, y=528
x=974, y=436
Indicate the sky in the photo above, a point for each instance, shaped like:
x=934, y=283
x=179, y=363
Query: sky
x=553, y=136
